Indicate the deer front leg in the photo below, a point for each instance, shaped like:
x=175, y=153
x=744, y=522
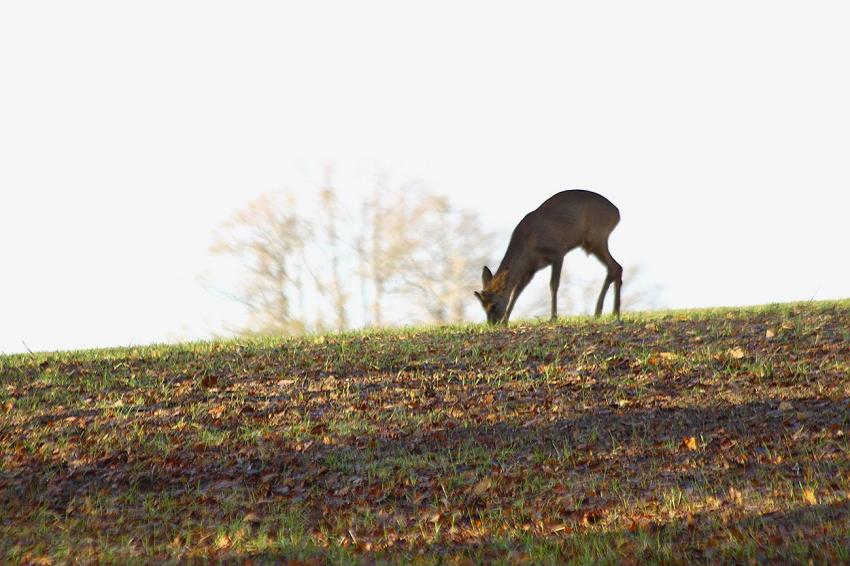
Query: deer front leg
x=554, y=282
x=514, y=295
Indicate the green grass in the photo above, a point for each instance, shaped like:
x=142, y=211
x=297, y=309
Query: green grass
x=715, y=435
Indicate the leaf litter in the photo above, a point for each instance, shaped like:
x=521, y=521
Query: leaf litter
x=714, y=434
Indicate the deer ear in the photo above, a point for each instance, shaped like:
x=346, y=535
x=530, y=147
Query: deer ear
x=478, y=296
x=497, y=283
x=486, y=275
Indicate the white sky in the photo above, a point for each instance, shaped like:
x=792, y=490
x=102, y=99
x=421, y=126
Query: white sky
x=128, y=131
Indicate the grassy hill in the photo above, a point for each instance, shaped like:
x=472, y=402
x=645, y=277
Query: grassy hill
x=667, y=437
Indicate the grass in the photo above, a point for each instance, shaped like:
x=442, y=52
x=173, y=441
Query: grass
x=715, y=435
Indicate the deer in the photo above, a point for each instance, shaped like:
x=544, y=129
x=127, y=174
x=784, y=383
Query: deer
x=565, y=221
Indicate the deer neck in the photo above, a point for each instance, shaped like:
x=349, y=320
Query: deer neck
x=516, y=263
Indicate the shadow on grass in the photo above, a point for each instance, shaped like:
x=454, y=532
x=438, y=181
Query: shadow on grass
x=810, y=534
x=561, y=469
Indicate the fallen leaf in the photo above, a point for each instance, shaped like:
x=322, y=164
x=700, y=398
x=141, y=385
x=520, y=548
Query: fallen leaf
x=769, y=333
x=690, y=443
x=809, y=496
x=590, y=517
x=785, y=406
x=223, y=541
x=560, y=528
x=481, y=487
x=736, y=496
x=253, y=517
x=736, y=353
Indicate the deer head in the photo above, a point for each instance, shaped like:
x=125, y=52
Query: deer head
x=492, y=296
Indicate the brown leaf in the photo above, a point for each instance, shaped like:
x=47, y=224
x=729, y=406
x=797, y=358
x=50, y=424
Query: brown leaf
x=736, y=496
x=591, y=517
x=481, y=487
x=736, y=353
x=663, y=357
x=809, y=496
x=785, y=406
x=223, y=541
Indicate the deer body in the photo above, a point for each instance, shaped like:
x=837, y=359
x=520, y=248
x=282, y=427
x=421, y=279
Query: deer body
x=565, y=221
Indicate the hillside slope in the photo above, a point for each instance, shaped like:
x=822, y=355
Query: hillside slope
x=668, y=437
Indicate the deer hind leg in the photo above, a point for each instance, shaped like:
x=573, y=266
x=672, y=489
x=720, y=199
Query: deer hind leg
x=615, y=275
x=553, y=285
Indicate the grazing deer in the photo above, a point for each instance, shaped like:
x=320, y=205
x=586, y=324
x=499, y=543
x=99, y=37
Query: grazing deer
x=565, y=221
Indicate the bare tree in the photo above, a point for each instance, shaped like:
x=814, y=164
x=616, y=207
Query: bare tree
x=446, y=247
x=330, y=282
x=268, y=238
x=416, y=246
x=415, y=257
x=382, y=242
